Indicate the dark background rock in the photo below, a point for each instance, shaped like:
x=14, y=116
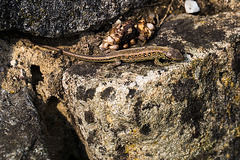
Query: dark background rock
x=65, y=18
x=58, y=18
x=20, y=129
x=59, y=138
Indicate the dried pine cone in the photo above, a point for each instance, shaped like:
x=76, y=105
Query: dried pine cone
x=120, y=36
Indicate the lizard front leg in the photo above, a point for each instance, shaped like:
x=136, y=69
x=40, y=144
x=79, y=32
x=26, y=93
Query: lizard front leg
x=158, y=63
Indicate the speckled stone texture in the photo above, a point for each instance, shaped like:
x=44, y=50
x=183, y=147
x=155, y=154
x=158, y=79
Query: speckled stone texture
x=20, y=132
x=64, y=18
x=60, y=17
x=189, y=110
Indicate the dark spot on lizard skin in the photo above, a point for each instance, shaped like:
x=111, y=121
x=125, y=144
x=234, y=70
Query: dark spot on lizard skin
x=145, y=129
x=89, y=116
x=131, y=93
x=137, y=110
x=108, y=93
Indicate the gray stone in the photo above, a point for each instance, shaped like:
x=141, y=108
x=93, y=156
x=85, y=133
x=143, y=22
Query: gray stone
x=58, y=18
x=188, y=110
x=20, y=128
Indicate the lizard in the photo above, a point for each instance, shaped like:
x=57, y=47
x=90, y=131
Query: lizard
x=139, y=54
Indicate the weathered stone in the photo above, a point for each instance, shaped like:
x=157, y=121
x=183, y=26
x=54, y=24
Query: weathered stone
x=188, y=110
x=59, y=18
x=20, y=134
x=217, y=6
x=64, y=18
x=32, y=70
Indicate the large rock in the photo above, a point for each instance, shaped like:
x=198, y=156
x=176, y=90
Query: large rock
x=58, y=18
x=20, y=134
x=64, y=18
x=188, y=110
x=21, y=67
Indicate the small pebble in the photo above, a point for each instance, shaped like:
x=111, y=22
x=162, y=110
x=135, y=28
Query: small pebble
x=150, y=26
x=191, y=6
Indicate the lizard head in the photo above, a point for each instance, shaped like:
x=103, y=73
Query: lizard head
x=174, y=54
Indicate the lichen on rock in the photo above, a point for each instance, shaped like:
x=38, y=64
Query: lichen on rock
x=187, y=110
x=179, y=111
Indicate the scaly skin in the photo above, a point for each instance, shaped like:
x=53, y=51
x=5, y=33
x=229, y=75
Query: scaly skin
x=131, y=55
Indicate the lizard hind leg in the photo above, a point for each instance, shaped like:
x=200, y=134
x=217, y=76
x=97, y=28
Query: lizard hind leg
x=116, y=63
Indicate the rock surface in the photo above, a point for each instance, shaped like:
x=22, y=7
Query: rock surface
x=64, y=18
x=188, y=110
x=20, y=134
x=183, y=111
x=59, y=18
x=24, y=67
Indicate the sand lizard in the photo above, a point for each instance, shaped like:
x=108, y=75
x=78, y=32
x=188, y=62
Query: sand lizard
x=167, y=54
